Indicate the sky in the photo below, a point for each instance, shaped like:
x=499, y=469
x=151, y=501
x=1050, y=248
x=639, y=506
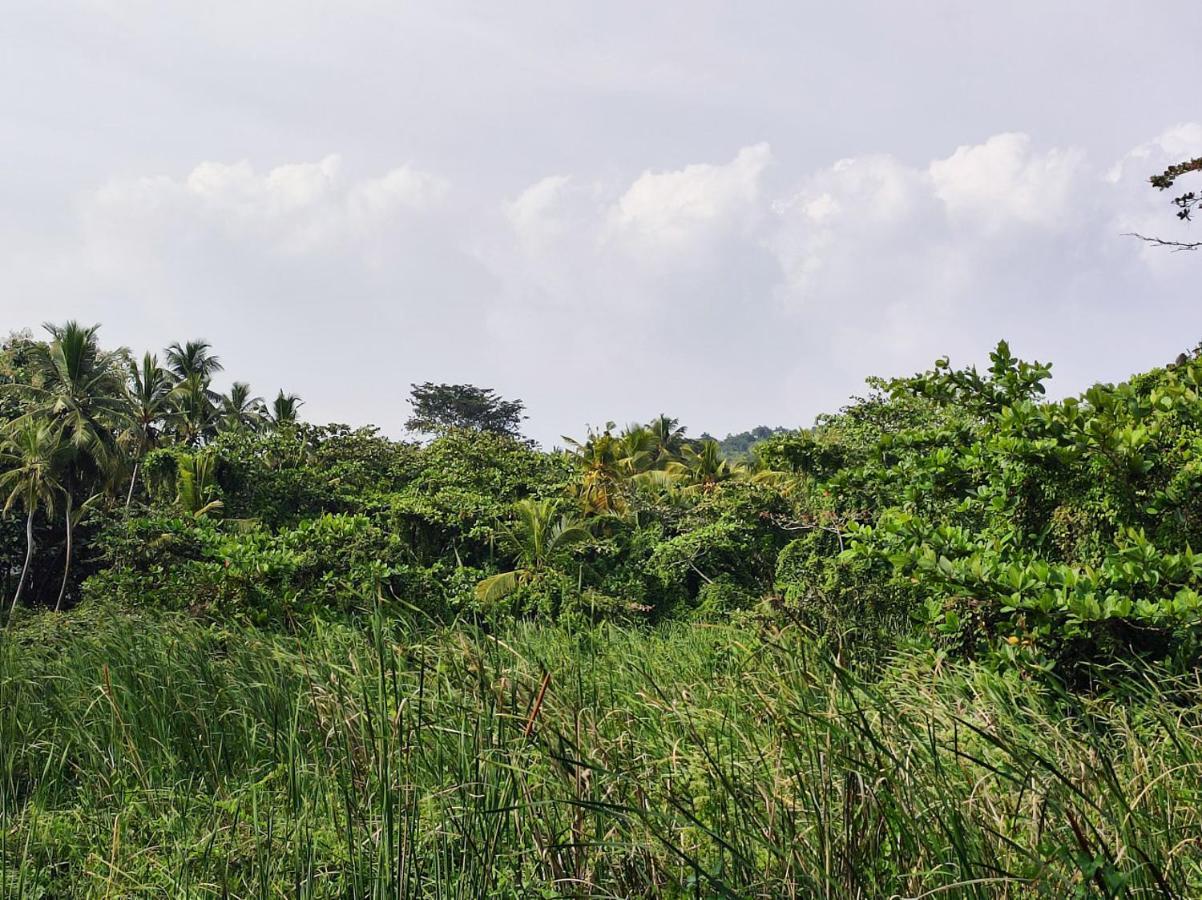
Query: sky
x=731, y=212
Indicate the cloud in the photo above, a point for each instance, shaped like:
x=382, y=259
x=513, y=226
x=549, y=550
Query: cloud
x=1002, y=182
x=292, y=209
x=670, y=211
x=736, y=291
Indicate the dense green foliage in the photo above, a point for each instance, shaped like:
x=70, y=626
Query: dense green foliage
x=904, y=650
x=962, y=503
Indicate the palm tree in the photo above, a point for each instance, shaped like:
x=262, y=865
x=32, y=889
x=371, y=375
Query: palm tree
x=73, y=518
x=668, y=437
x=284, y=409
x=81, y=389
x=34, y=454
x=702, y=467
x=537, y=538
x=601, y=489
x=150, y=404
x=193, y=358
x=196, y=481
x=193, y=415
x=240, y=410
x=636, y=447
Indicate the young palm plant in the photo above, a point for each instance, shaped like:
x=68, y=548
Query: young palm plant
x=537, y=537
x=197, y=484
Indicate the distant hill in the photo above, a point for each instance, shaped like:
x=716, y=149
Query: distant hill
x=738, y=446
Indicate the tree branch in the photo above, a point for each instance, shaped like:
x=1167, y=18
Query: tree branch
x=1175, y=246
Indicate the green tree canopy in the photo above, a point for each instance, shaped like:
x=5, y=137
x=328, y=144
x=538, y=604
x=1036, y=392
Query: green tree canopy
x=441, y=407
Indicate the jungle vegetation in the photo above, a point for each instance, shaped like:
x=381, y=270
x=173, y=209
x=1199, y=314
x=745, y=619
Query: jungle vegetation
x=944, y=642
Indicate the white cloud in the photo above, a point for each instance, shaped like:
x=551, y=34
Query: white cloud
x=667, y=211
x=1001, y=182
x=294, y=208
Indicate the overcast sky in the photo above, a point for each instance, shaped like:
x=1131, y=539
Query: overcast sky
x=730, y=212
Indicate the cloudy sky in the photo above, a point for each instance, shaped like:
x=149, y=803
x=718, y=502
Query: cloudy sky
x=731, y=212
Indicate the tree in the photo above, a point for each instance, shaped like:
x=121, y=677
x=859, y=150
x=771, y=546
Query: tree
x=193, y=358
x=194, y=365
x=80, y=389
x=34, y=457
x=240, y=410
x=284, y=409
x=194, y=415
x=440, y=407
x=1186, y=203
x=537, y=538
x=150, y=403
x=669, y=438
x=702, y=467
x=604, y=466
x=72, y=517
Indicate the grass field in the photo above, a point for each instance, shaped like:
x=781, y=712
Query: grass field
x=144, y=756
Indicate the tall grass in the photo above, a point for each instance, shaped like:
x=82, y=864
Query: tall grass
x=148, y=757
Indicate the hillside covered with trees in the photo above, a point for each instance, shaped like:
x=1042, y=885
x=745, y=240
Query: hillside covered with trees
x=945, y=639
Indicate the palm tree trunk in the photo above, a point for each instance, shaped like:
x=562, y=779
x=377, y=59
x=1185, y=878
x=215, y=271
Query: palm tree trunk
x=132, y=481
x=24, y=568
x=66, y=563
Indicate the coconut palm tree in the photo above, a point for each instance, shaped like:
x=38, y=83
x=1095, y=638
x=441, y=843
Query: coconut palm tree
x=73, y=517
x=193, y=415
x=34, y=456
x=284, y=409
x=193, y=358
x=537, y=537
x=636, y=448
x=240, y=410
x=668, y=437
x=702, y=467
x=81, y=390
x=601, y=489
x=150, y=405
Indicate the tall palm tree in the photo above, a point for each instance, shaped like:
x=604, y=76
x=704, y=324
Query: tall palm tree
x=537, y=538
x=284, y=409
x=193, y=365
x=240, y=410
x=80, y=389
x=193, y=358
x=150, y=404
x=33, y=455
x=668, y=436
x=78, y=392
x=193, y=414
x=73, y=517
